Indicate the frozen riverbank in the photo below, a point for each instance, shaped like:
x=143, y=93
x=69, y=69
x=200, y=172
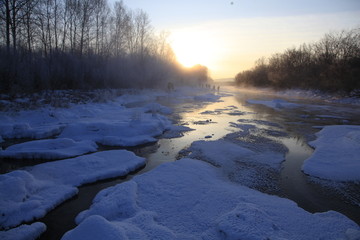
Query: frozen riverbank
x=124, y=121
x=249, y=145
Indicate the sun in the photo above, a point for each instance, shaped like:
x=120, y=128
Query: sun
x=192, y=48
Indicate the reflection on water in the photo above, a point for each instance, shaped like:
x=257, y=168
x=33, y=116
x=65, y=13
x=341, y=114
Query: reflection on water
x=301, y=124
x=292, y=127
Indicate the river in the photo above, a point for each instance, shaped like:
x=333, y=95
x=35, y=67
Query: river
x=214, y=121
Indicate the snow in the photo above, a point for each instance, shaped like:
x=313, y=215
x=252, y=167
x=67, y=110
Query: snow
x=243, y=157
x=131, y=132
x=23, y=197
x=176, y=131
x=351, y=98
x=276, y=104
x=190, y=199
x=49, y=149
x=336, y=155
x=230, y=110
x=24, y=232
x=157, y=108
x=31, y=193
x=187, y=199
x=24, y=130
x=226, y=154
x=88, y=168
x=131, y=119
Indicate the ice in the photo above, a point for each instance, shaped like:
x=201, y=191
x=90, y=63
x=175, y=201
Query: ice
x=133, y=131
x=88, y=168
x=176, y=131
x=49, y=149
x=276, y=104
x=131, y=119
x=226, y=154
x=157, y=108
x=23, y=197
x=31, y=193
x=254, y=167
x=190, y=199
x=336, y=155
x=24, y=130
x=24, y=232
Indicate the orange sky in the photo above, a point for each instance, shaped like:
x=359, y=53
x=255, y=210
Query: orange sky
x=229, y=38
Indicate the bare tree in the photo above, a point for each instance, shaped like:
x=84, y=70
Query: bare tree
x=120, y=27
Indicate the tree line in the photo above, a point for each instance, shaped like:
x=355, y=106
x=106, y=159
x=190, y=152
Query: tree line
x=331, y=64
x=77, y=44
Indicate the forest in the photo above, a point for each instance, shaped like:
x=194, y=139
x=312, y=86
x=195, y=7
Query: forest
x=83, y=44
x=331, y=64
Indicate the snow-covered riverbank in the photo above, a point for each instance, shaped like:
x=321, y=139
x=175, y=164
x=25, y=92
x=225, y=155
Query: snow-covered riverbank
x=238, y=146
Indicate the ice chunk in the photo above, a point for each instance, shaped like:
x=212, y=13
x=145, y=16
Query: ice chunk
x=24, y=130
x=24, y=232
x=224, y=153
x=276, y=104
x=157, y=108
x=49, y=149
x=119, y=133
x=25, y=195
x=88, y=168
x=189, y=199
x=176, y=131
x=336, y=155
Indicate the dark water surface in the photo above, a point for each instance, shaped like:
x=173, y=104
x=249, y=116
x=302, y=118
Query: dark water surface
x=214, y=121
x=301, y=123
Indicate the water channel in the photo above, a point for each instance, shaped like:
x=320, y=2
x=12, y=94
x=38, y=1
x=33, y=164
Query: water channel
x=213, y=121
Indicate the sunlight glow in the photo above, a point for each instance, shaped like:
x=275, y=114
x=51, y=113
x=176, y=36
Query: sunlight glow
x=193, y=47
x=229, y=46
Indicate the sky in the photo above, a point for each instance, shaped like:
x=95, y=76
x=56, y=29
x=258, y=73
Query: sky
x=228, y=36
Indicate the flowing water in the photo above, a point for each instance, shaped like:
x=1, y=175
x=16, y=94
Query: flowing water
x=215, y=120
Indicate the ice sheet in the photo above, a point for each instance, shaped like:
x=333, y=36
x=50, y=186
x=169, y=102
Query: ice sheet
x=336, y=155
x=49, y=149
x=189, y=199
x=30, y=194
x=24, y=232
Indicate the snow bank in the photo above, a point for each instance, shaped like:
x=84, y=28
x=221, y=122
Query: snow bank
x=114, y=125
x=189, y=199
x=134, y=131
x=25, y=195
x=253, y=167
x=131, y=119
x=176, y=131
x=226, y=154
x=24, y=232
x=49, y=149
x=317, y=94
x=157, y=108
x=336, y=155
x=276, y=104
x=24, y=130
x=88, y=168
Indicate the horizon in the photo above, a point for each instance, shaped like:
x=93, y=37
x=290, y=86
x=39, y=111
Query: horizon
x=229, y=36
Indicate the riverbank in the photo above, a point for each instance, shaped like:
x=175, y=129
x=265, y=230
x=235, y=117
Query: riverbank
x=251, y=144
